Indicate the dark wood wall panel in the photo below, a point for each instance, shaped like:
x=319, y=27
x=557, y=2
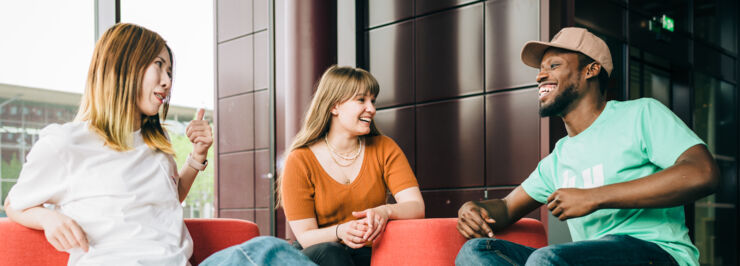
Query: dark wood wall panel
x=234, y=18
x=455, y=95
x=426, y=6
x=262, y=179
x=237, y=214
x=445, y=203
x=236, y=180
x=261, y=60
x=398, y=124
x=391, y=62
x=262, y=119
x=238, y=113
x=261, y=15
x=512, y=136
x=242, y=112
x=509, y=25
x=450, y=143
x=235, y=69
x=262, y=219
x=449, y=53
x=386, y=11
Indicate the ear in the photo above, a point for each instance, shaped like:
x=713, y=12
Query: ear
x=334, y=110
x=592, y=70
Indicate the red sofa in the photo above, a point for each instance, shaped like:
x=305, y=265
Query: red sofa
x=404, y=242
x=25, y=247
x=436, y=241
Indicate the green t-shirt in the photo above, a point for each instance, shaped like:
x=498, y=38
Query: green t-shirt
x=629, y=140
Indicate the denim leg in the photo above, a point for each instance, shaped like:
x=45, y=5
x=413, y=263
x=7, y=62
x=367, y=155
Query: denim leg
x=491, y=251
x=608, y=250
x=329, y=254
x=263, y=250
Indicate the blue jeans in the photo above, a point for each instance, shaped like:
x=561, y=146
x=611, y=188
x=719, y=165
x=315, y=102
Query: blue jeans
x=263, y=250
x=608, y=250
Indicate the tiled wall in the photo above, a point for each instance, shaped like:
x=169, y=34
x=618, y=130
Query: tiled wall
x=242, y=114
x=454, y=93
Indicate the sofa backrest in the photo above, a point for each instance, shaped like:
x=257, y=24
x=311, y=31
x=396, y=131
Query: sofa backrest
x=24, y=247
x=436, y=241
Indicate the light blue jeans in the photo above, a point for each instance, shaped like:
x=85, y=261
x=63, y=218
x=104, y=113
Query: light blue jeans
x=608, y=250
x=263, y=250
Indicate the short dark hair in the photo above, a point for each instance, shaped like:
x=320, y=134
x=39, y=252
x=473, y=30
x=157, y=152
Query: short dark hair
x=584, y=60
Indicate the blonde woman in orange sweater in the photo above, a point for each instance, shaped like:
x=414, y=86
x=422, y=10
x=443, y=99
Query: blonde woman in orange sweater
x=333, y=186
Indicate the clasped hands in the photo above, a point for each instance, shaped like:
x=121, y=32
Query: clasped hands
x=366, y=228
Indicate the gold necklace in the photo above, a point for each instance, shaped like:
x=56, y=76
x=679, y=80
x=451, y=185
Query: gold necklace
x=346, y=156
x=333, y=155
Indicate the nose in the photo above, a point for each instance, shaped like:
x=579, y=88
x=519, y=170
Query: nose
x=165, y=81
x=541, y=76
x=370, y=107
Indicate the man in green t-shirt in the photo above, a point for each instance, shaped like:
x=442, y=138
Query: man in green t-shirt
x=619, y=178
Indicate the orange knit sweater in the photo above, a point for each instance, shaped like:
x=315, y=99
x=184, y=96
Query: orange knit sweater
x=309, y=192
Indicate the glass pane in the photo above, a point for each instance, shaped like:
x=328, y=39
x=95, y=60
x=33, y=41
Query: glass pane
x=603, y=16
x=189, y=32
x=716, y=22
x=715, y=122
x=656, y=84
x=42, y=74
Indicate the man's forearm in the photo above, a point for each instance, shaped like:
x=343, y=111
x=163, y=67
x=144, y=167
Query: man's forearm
x=688, y=180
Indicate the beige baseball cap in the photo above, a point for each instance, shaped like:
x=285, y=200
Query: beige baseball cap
x=573, y=39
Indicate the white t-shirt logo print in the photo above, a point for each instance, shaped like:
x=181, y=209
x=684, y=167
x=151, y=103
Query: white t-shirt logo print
x=591, y=177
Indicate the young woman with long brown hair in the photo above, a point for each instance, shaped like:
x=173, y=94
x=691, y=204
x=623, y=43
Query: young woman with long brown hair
x=110, y=174
x=334, y=183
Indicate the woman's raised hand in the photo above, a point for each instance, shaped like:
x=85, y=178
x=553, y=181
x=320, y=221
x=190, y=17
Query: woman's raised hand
x=351, y=233
x=62, y=232
x=376, y=219
x=200, y=134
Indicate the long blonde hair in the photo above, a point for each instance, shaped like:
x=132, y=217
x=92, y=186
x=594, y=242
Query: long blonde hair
x=114, y=81
x=338, y=84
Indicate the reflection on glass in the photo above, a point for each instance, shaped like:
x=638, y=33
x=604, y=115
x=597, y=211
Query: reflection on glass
x=715, y=123
x=716, y=22
x=649, y=81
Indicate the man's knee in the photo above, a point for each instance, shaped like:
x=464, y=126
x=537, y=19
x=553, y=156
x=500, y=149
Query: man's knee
x=549, y=255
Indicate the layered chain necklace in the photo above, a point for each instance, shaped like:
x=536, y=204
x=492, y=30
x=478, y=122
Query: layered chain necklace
x=349, y=157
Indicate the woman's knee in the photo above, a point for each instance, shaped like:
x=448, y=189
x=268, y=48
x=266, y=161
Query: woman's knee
x=329, y=253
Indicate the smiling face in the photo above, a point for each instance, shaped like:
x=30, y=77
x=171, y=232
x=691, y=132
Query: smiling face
x=355, y=115
x=559, y=82
x=155, y=85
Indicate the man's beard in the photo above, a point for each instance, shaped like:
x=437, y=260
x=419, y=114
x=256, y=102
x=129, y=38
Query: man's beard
x=561, y=102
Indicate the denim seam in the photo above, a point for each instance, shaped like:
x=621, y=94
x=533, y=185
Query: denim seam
x=501, y=254
x=246, y=255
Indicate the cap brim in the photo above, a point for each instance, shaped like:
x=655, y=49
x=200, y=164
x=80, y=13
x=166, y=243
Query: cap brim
x=533, y=51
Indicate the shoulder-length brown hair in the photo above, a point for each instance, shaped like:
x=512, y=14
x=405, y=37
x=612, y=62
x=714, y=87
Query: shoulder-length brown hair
x=114, y=81
x=337, y=85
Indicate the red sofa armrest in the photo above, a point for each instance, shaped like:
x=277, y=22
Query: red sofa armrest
x=23, y=247
x=437, y=242
x=212, y=235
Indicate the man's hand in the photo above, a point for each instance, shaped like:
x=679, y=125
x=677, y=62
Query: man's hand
x=472, y=221
x=63, y=233
x=566, y=203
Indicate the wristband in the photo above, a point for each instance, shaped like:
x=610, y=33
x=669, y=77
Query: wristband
x=196, y=165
